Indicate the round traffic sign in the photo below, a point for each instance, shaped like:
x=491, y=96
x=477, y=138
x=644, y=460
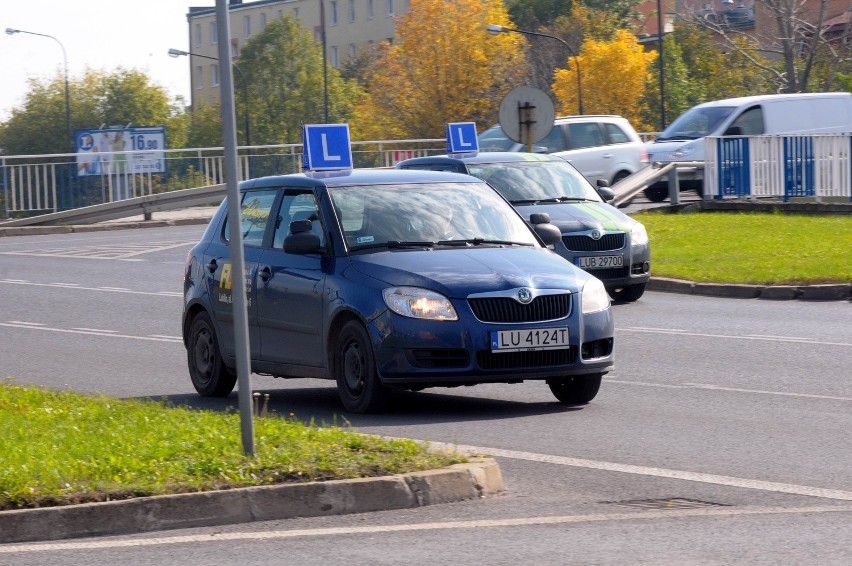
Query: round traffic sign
x=526, y=115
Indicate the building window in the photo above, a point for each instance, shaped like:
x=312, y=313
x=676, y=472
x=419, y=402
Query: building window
x=235, y=48
x=198, y=35
x=390, y=8
x=351, y=11
x=262, y=20
x=295, y=13
x=352, y=51
x=199, y=77
x=369, y=9
x=214, y=33
x=214, y=74
x=247, y=25
x=334, y=12
x=335, y=57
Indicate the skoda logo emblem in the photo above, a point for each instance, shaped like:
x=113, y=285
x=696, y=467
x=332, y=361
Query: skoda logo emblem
x=525, y=295
x=595, y=235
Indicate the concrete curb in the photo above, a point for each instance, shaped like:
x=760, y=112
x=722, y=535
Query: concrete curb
x=479, y=478
x=836, y=292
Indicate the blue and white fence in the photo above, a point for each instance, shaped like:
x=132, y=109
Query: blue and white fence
x=785, y=167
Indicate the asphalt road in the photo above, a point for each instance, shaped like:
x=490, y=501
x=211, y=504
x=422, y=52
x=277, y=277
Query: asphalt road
x=722, y=436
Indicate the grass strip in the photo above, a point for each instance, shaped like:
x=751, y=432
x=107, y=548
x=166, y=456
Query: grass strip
x=59, y=448
x=750, y=248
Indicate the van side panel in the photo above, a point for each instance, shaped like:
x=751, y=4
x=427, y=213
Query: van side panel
x=828, y=114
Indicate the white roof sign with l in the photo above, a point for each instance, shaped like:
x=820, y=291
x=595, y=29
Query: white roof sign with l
x=461, y=137
x=326, y=147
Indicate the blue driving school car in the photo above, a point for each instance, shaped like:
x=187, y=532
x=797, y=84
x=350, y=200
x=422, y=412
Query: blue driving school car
x=596, y=236
x=388, y=279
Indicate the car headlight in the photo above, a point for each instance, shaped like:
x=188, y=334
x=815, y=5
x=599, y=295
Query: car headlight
x=594, y=297
x=639, y=236
x=685, y=151
x=415, y=302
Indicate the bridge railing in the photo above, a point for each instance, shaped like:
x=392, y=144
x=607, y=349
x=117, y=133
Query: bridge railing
x=40, y=184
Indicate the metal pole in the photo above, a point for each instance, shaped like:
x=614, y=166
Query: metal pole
x=69, y=140
x=240, y=304
x=324, y=62
x=662, y=67
x=494, y=28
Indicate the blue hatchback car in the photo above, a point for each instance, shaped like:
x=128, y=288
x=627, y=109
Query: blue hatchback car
x=596, y=236
x=383, y=279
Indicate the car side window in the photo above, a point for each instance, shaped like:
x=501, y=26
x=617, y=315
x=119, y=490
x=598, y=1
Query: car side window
x=553, y=141
x=615, y=134
x=298, y=206
x=584, y=134
x=750, y=122
x=254, y=216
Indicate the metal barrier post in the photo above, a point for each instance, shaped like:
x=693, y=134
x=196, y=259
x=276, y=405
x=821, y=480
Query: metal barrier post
x=674, y=186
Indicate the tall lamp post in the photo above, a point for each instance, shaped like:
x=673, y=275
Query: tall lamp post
x=178, y=52
x=660, y=31
x=494, y=29
x=69, y=139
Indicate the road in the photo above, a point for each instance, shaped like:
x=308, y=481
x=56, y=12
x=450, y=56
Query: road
x=722, y=436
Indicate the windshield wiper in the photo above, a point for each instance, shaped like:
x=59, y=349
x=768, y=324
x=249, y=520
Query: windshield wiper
x=394, y=244
x=524, y=201
x=479, y=242
x=566, y=199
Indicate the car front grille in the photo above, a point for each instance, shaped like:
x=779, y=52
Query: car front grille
x=520, y=360
x=438, y=358
x=505, y=309
x=607, y=242
x=610, y=273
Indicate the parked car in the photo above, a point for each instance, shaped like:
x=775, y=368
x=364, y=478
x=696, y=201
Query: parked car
x=596, y=236
x=776, y=114
x=383, y=279
x=601, y=147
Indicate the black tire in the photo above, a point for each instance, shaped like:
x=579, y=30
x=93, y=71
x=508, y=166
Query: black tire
x=575, y=389
x=358, y=383
x=628, y=294
x=210, y=376
x=657, y=193
x=619, y=176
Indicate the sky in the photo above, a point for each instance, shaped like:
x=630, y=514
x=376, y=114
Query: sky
x=97, y=34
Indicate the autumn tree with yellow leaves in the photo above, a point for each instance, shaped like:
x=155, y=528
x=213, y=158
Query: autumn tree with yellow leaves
x=443, y=67
x=613, y=76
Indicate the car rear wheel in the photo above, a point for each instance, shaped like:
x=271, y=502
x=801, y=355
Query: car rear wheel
x=657, y=193
x=575, y=389
x=628, y=294
x=358, y=383
x=210, y=376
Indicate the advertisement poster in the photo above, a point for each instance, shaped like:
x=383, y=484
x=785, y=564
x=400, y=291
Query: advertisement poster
x=120, y=151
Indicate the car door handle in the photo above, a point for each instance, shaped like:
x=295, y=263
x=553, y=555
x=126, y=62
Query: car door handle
x=211, y=267
x=265, y=273
x=607, y=155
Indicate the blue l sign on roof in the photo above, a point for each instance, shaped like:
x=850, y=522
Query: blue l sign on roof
x=461, y=137
x=326, y=147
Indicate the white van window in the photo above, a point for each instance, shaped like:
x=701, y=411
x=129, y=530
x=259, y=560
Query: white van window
x=749, y=123
x=696, y=123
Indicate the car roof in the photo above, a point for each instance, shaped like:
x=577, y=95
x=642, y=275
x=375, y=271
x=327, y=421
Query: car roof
x=354, y=177
x=481, y=157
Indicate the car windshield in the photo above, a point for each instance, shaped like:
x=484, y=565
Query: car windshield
x=429, y=214
x=696, y=123
x=495, y=139
x=528, y=182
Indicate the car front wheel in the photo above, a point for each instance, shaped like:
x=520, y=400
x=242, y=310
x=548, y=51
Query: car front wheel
x=210, y=376
x=575, y=389
x=628, y=294
x=358, y=383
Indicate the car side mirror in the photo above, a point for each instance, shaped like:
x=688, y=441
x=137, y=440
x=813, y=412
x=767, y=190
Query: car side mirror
x=604, y=191
x=548, y=233
x=301, y=239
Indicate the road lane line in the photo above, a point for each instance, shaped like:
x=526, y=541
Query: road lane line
x=104, y=289
x=102, y=333
x=638, y=515
x=732, y=336
x=730, y=481
x=711, y=387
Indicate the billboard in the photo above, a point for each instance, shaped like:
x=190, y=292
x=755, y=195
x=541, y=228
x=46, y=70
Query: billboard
x=119, y=151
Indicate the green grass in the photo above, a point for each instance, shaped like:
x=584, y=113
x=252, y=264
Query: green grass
x=62, y=448
x=751, y=248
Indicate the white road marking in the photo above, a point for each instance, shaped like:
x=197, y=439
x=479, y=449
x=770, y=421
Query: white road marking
x=121, y=252
x=732, y=389
x=98, y=330
x=774, y=487
x=106, y=289
x=30, y=326
x=638, y=515
x=732, y=336
x=26, y=323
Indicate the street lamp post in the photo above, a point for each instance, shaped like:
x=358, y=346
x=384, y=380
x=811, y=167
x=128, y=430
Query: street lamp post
x=69, y=139
x=495, y=29
x=178, y=52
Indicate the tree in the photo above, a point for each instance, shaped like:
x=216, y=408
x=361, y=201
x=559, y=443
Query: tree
x=284, y=69
x=443, y=67
x=810, y=52
x=98, y=98
x=613, y=75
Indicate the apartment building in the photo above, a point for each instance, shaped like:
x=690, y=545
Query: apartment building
x=351, y=26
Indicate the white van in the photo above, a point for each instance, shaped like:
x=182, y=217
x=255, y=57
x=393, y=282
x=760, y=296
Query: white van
x=773, y=114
